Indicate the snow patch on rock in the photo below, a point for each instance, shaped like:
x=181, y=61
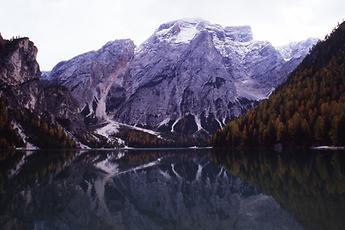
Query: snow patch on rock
x=296, y=49
x=173, y=125
x=28, y=145
x=198, y=122
x=109, y=129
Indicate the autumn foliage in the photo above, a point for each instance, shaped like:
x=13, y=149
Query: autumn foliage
x=309, y=109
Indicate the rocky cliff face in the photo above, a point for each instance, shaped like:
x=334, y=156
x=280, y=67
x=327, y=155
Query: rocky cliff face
x=90, y=76
x=18, y=62
x=19, y=72
x=189, y=77
x=32, y=100
x=192, y=72
x=296, y=50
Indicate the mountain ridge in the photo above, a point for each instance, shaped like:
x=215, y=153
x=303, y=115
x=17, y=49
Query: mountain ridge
x=188, y=78
x=161, y=55
x=183, y=83
x=308, y=109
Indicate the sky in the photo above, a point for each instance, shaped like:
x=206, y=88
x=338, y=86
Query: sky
x=62, y=29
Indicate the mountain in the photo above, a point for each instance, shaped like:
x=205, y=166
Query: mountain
x=177, y=88
x=90, y=76
x=309, y=109
x=296, y=50
x=200, y=74
x=190, y=77
x=18, y=62
x=19, y=84
x=34, y=113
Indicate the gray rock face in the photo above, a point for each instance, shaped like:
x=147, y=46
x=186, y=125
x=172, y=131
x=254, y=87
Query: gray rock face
x=191, y=67
x=296, y=50
x=176, y=85
x=24, y=89
x=190, y=76
x=89, y=76
x=19, y=73
x=18, y=62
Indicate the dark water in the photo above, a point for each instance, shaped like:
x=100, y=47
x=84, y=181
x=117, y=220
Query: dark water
x=184, y=189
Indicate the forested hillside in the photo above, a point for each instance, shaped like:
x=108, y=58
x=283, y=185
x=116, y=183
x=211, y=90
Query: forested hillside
x=20, y=122
x=35, y=130
x=309, y=109
x=8, y=136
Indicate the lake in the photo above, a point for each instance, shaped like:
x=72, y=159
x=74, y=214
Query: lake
x=173, y=189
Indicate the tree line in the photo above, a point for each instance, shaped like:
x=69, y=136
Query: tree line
x=37, y=130
x=309, y=109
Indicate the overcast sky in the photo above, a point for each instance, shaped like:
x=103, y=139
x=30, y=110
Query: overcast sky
x=62, y=29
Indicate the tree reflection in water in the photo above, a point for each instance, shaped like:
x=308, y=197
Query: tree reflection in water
x=310, y=185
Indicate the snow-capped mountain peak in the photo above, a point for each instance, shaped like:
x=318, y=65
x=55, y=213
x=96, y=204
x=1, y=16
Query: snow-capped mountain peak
x=189, y=77
x=183, y=31
x=296, y=49
x=180, y=31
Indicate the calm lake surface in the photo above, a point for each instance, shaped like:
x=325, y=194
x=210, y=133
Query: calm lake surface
x=173, y=189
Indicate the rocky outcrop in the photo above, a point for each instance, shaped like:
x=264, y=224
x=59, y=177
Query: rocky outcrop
x=32, y=101
x=17, y=62
x=90, y=76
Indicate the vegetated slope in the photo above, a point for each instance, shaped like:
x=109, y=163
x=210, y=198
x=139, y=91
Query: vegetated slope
x=20, y=121
x=21, y=126
x=309, y=109
x=9, y=138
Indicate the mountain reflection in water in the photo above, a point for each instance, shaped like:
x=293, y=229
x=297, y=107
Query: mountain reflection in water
x=184, y=189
